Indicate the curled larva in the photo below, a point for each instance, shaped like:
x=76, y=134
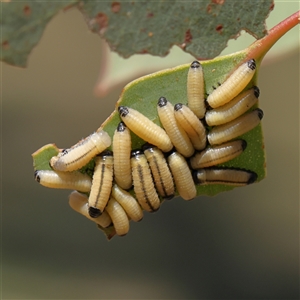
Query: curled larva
x=78, y=202
x=218, y=154
x=178, y=136
x=231, y=130
x=182, y=176
x=162, y=176
x=195, y=89
x=102, y=183
x=143, y=183
x=228, y=176
x=61, y=180
x=122, y=148
x=81, y=153
x=128, y=202
x=233, y=109
x=232, y=86
x=191, y=125
x=145, y=128
x=118, y=216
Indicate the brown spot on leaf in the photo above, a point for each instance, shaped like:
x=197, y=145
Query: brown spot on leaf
x=102, y=21
x=150, y=15
x=272, y=6
x=219, y=28
x=27, y=10
x=188, y=36
x=5, y=45
x=208, y=8
x=115, y=7
x=220, y=2
x=150, y=34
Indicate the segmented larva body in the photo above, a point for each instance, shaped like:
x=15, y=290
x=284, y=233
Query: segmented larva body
x=195, y=89
x=178, y=136
x=145, y=128
x=228, y=176
x=79, y=203
x=122, y=149
x=102, y=183
x=182, y=176
x=162, y=176
x=218, y=154
x=148, y=172
x=235, y=84
x=81, y=153
x=143, y=183
x=128, y=202
x=61, y=180
x=191, y=125
x=231, y=130
x=233, y=109
x=118, y=216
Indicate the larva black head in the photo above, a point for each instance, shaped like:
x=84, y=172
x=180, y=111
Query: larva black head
x=169, y=197
x=251, y=64
x=106, y=153
x=256, y=91
x=244, y=144
x=162, y=101
x=173, y=150
x=154, y=210
x=136, y=152
x=64, y=151
x=195, y=64
x=178, y=106
x=36, y=176
x=94, y=212
x=260, y=113
x=195, y=177
x=252, y=178
x=148, y=146
x=121, y=127
x=123, y=111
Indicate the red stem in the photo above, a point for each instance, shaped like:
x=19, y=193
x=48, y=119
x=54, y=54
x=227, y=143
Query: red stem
x=260, y=47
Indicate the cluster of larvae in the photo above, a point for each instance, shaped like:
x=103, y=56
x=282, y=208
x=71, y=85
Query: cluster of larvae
x=174, y=158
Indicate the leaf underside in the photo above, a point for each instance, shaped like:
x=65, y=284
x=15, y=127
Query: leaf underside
x=201, y=28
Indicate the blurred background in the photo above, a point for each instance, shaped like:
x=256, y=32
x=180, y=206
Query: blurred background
x=242, y=244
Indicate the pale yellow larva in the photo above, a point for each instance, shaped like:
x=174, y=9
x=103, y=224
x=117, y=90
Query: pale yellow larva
x=178, y=136
x=233, y=109
x=122, y=148
x=79, y=203
x=143, y=183
x=128, y=202
x=162, y=176
x=81, y=153
x=231, y=130
x=191, y=125
x=145, y=128
x=227, y=176
x=102, y=183
x=182, y=176
x=195, y=89
x=64, y=180
x=118, y=216
x=218, y=154
x=233, y=85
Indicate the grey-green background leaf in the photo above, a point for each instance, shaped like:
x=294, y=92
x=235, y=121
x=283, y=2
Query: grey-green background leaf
x=202, y=28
